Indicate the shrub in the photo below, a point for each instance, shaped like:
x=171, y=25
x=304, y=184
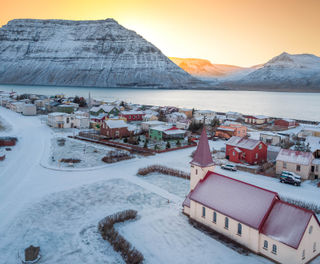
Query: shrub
x=168, y=145
x=163, y=170
x=119, y=243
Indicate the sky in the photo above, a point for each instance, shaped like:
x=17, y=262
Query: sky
x=237, y=32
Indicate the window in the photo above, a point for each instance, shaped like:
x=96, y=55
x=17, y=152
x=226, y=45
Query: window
x=298, y=167
x=196, y=171
x=310, y=229
x=239, y=229
x=303, y=254
x=226, y=223
x=265, y=244
x=257, y=155
x=284, y=165
x=274, y=249
x=214, y=217
x=203, y=212
x=314, y=247
x=260, y=146
x=234, y=153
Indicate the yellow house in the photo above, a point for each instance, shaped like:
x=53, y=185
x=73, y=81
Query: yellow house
x=252, y=216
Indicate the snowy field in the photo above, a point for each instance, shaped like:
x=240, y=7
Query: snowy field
x=89, y=154
x=59, y=209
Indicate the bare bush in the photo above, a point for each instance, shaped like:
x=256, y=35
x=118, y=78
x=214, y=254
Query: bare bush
x=163, y=170
x=70, y=160
x=115, y=156
x=106, y=228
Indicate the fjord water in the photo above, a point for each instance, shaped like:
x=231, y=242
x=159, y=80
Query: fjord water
x=303, y=106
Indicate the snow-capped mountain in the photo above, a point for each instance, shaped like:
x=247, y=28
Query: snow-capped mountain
x=300, y=71
x=98, y=53
x=204, y=68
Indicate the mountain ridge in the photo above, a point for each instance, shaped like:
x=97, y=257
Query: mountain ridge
x=98, y=53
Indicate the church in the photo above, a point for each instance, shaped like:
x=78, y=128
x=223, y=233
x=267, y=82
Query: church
x=250, y=215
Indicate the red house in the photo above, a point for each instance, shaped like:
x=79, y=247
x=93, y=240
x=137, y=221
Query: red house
x=132, y=115
x=242, y=150
x=285, y=123
x=114, y=129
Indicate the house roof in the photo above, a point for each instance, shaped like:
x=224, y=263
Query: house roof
x=243, y=142
x=314, y=143
x=293, y=156
x=287, y=223
x=174, y=131
x=239, y=200
x=132, y=112
x=116, y=123
x=202, y=157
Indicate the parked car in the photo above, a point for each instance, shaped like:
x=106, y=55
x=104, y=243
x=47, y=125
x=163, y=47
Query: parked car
x=229, y=167
x=290, y=177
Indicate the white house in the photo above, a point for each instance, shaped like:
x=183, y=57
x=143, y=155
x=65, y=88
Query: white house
x=251, y=216
x=29, y=110
x=64, y=120
x=298, y=162
x=147, y=124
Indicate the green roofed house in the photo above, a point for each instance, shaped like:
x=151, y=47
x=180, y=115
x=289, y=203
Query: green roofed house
x=165, y=132
x=107, y=109
x=67, y=108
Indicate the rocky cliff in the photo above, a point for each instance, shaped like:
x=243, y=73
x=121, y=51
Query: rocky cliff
x=84, y=53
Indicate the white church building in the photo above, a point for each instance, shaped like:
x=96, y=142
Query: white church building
x=252, y=216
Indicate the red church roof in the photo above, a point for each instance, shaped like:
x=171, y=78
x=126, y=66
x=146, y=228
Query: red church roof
x=202, y=156
x=239, y=200
x=287, y=223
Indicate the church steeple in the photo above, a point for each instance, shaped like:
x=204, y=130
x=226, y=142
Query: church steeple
x=202, y=157
x=202, y=161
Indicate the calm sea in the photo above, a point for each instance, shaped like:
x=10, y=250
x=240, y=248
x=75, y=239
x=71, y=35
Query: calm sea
x=304, y=106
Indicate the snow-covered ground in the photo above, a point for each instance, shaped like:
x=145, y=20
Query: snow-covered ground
x=59, y=209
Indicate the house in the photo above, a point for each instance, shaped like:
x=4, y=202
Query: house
x=242, y=150
x=16, y=106
x=256, y=119
x=273, y=139
x=233, y=129
x=132, y=115
x=187, y=112
x=314, y=145
x=166, y=132
x=285, y=123
x=315, y=169
x=207, y=114
x=110, y=110
x=145, y=126
x=309, y=131
x=29, y=110
x=64, y=120
x=250, y=215
x=153, y=116
x=67, y=108
x=233, y=116
x=298, y=162
x=176, y=117
x=114, y=129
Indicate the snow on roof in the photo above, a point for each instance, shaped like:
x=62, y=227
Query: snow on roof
x=293, y=156
x=243, y=142
x=314, y=143
x=287, y=223
x=57, y=114
x=132, y=112
x=226, y=129
x=161, y=127
x=237, y=149
x=116, y=123
x=95, y=109
x=174, y=131
x=239, y=200
x=202, y=157
x=153, y=122
x=107, y=108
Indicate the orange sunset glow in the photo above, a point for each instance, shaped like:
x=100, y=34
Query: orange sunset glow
x=239, y=32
